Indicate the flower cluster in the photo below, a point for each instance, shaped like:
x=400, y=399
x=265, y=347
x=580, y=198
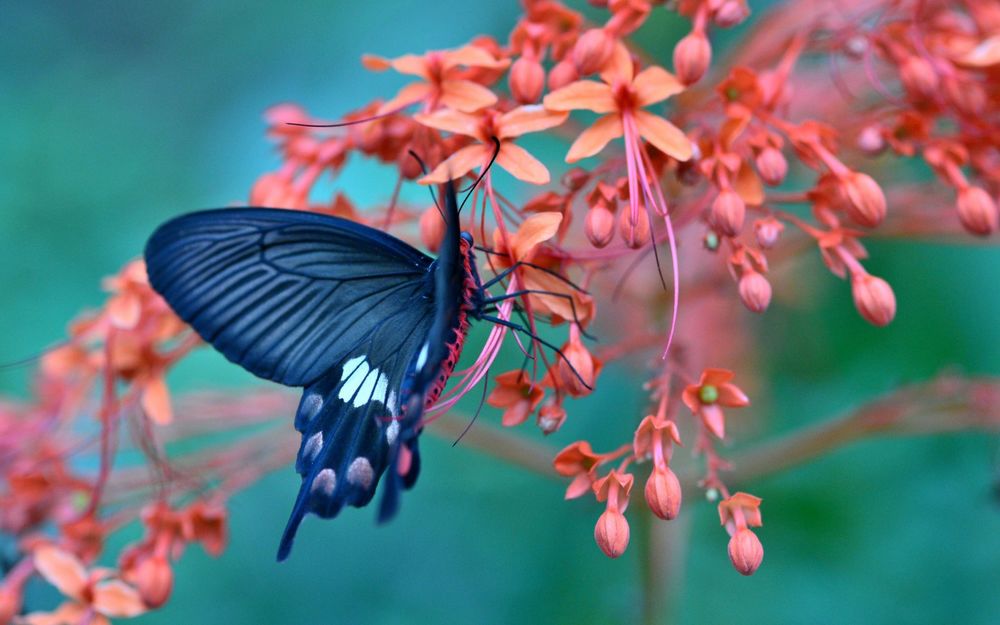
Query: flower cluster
x=714, y=172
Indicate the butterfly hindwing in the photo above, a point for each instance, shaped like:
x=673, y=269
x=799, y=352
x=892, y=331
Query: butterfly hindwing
x=283, y=293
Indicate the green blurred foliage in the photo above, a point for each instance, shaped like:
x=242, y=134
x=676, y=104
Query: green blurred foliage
x=117, y=115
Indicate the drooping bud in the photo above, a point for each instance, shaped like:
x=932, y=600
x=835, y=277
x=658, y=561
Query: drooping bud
x=561, y=74
x=977, y=211
x=154, y=579
x=599, y=226
x=577, y=367
x=755, y=291
x=634, y=233
x=731, y=13
x=874, y=299
x=551, y=416
x=592, y=51
x=866, y=202
x=432, y=228
x=612, y=533
x=771, y=165
x=728, y=212
x=745, y=551
x=526, y=80
x=692, y=56
x=663, y=493
x=918, y=76
x=870, y=140
x=767, y=231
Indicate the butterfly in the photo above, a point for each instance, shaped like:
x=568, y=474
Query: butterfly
x=369, y=327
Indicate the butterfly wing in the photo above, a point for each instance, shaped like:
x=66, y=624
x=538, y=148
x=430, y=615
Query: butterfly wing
x=320, y=302
x=283, y=293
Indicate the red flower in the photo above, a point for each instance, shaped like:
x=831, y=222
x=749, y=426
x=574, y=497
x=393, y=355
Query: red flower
x=707, y=397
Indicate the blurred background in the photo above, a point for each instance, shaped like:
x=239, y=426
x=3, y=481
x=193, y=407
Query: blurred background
x=118, y=115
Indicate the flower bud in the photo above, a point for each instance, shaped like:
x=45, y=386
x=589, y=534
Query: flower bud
x=767, y=231
x=612, y=533
x=432, y=228
x=874, y=299
x=870, y=140
x=771, y=165
x=599, y=226
x=576, y=178
x=551, y=417
x=731, y=13
x=526, y=80
x=592, y=51
x=866, y=203
x=663, y=493
x=635, y=234
x=154, y=580
x=728, y=212
x=977, y=211
x=745, y=551
x=755, y=291
x=561, y=74
x=577, y=368
x=692, y=55
x=918, y=76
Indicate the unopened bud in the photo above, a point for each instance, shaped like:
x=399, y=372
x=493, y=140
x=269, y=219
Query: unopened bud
x=977, y=211
x=871, y=141
x=865, y=200
x=432, y=228
x=561, y=74
x=731, y=13
x=551, y=417
x=612, y=533
x=577, y=369
x=599, y=226
x=918, y=76
x=526, y=80
x=592, y=51
x=154, y=579
x=634, y=233
x=767, y=230
x=874, y=299
x=663, y=493
x=692, y=55
x=755, y=291
x=728, y=212
x=745, y=551
x=771, y=165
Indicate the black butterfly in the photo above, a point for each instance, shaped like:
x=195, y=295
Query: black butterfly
x=368, y=325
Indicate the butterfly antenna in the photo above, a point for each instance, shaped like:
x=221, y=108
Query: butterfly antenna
x=423, y=168
x=468, y=191
x=482, y=400
x=352, y=122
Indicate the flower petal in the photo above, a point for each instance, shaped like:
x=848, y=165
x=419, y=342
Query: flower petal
x=536, y=229
x=732, y=396
x=375, y=62
x=521, y=164
x=465, y=95
x=156, y=401
x=619, y=66
x=410, y=94
x=472, y=56
x=61, y=569
x=655, y=84
x=451, y=121
x=411, y=64
x=529, y=118
x=593, y=139
x=667, y=138
x=459, y=164
x=116, y=598
x=582, y=94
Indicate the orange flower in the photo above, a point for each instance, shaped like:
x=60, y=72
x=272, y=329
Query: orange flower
x=621, y=98
x=578, y=461
x=441, y=78
x=484, y=126
x=517, y=395
x=93, y=598
x=711, y=392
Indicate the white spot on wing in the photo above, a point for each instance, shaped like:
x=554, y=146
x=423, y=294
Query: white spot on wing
x=325, y=481
x=314, y=444
x=390, y=404
x=367, y=389
x=392, y=432
x=311, y=405
x=422, y=356
x=350, y=366
x=360, y=473
x=353, y=378
x=381, y=386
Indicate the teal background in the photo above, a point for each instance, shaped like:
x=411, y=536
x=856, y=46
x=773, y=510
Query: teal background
x=117, y=115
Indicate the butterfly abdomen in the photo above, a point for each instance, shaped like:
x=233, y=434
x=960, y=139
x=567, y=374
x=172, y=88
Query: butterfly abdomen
x=470, y=304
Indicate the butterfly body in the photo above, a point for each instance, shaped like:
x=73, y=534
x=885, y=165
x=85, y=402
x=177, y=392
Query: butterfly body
x=368, y=326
